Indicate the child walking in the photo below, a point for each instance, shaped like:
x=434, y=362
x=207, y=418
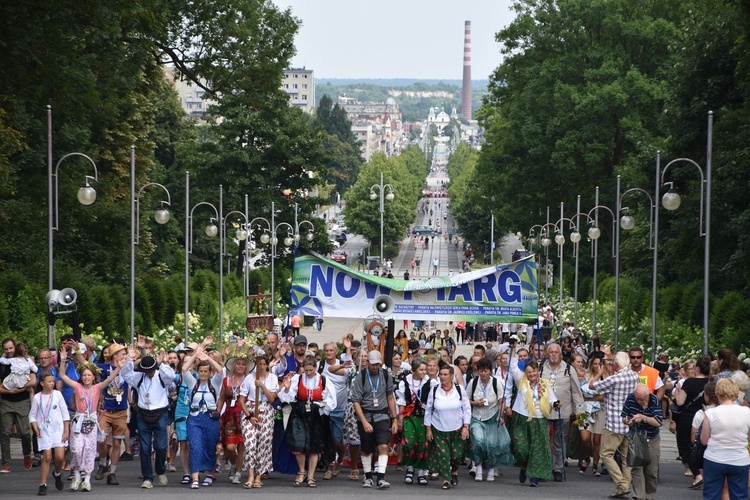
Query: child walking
x=50, y=421
x=86, y=396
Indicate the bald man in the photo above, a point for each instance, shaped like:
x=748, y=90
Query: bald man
x=642, y=411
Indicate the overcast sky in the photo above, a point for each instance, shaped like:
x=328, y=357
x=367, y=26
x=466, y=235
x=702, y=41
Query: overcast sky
x=397, y=38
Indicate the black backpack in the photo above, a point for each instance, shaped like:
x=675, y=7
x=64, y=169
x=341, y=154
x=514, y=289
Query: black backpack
x=474, y=383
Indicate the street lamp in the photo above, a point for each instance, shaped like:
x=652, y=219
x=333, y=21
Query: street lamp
x=270, y=231
x=575, y=238
x=594, y=233
x=161, y=216
x=374, y=196
x=86, y=196
x=671, y=201
x=240, y=235
x=627, y=222
x=211, y=231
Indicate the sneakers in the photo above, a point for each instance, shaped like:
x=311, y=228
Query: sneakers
x=112, y=479
x=367, y=483
x=336, y=469
x=100, y=472
x=522, y=476
x=75, y=483
x=146, y=484
x=558, y=477
x=383, y=484
x=85, y=486
x=5, y=469
x=42, y=490
x=473, y=471
x=236, y=479
x=161, y=479
x=491, y=475
x=328, y=475
x=28, y=461
x=171, y=467
x=126, y=457
x=534, y=482
x=58, y=481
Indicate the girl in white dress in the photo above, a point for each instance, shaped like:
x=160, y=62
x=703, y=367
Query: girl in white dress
x=21, y=367
x=50, y=422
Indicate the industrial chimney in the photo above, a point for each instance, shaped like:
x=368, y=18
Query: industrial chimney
x=466, y=88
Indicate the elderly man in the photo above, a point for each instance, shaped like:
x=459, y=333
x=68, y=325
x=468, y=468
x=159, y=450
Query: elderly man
x=643, y=411
x=567, y=388
x=15, y=405
x=338, y=382
x=616, y=389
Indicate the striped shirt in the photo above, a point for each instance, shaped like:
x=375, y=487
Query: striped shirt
x=616, y=390
x=653, y=410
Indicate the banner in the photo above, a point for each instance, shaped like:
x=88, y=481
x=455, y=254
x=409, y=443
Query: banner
x=504, y=293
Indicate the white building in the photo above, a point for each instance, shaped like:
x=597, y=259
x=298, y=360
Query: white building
x=299, y=84
x=192, y=97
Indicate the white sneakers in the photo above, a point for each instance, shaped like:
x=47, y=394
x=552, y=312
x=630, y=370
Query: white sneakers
x=147, y=484
x=75, y=483
x=85, y=486
x=161, y=479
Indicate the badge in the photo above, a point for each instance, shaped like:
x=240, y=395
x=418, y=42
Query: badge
x=375, y=402
x=308, y=407
x=234, y=402
x=118, y=398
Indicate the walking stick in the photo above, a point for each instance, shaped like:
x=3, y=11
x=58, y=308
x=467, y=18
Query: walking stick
x=562, y=445
x=257, y=402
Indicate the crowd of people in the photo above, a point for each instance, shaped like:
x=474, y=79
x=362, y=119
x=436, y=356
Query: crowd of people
x=297, y=409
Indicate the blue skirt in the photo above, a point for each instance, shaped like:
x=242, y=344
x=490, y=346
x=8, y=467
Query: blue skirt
x=203, y=436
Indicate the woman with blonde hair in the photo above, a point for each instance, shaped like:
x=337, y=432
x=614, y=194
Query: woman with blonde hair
x=591, y=433
x=726, y=430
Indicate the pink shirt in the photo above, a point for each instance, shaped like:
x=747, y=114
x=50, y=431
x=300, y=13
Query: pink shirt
x=83, y=398
x=295, y=321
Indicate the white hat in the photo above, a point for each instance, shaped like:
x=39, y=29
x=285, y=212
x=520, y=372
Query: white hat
x=374, y=357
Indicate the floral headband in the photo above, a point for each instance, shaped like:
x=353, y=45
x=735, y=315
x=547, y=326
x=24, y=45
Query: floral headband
x=88, y=366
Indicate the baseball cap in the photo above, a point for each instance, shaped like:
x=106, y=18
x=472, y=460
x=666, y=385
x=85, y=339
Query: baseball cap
x=300, y=339
x=374, y=358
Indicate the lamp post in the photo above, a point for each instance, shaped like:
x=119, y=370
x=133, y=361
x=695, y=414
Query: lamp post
x=292, y=238
x=594, y=233
x=211, y=231
x=240, y=235
x=627, y=222
x=86, y=196
x=575, y=237
x=671, y=201
x=374, y=196
x=161, y=216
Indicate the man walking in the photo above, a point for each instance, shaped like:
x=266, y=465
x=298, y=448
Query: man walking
x=616, y=390
x=567, y=388
x=375, y=406
x=643, y=411
x=435, y=264
x=15, y=405
x=336, y=417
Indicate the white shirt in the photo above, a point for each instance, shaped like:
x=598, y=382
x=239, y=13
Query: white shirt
x=203, y=396
x=338, y=384
x=727, y=444
x=447, y=411
x=329, y=398
x=247, y=389
x=415, y=386
x=520, y=404
x=151, y=394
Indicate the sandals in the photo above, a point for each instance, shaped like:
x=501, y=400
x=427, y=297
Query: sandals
x=446, y=486
x=247, y=485
x=194, y=485
x=354, y=475
x=298, y=481
x=185, y=479
x=454, y=479
x=409, y=477
x=422, y=480
x=596, y=471
x=311, y=483
x=582, y=466
x=257, y=483
x=208, y=481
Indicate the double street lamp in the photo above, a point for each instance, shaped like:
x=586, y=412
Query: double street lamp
x=378, y=191
x=161, y=216
x=86, y=196
x=594, y=233
x=671, y=201
x=211, y=231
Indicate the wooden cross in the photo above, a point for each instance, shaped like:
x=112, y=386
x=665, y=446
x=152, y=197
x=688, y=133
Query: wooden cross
x=259, y=297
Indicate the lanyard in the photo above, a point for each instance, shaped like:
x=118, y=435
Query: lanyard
x=147, y=387
x=45, y=417
x=203, y=389
x=375, y=388
x=236, y=386
x=484, y=389
x=417, y=389
x=88, y=398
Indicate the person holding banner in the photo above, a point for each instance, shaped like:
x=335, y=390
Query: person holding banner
x=258, y=391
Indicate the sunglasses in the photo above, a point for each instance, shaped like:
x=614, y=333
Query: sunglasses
x=636, y=357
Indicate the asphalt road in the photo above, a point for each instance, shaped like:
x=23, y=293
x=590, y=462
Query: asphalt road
x=24, y=484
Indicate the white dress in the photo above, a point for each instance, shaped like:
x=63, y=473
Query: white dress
x=20, y=370
x=50, y=413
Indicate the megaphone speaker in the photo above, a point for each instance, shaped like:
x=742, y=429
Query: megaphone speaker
x=383, y=305
x=67, y=297
x=52, y=298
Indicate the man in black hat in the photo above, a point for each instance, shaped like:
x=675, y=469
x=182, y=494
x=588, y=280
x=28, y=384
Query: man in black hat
x=152, y=389
x=291, y=362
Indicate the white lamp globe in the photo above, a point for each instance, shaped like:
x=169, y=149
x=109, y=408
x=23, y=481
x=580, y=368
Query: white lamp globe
x=594, y=233
x=671, y=200
x=162, y=216
x=212, y=230
x=627, y=222
x=559, y=239
x=264, y=238
x=546, y=242
x=373, y=195
x=288, y=241
x=241, y=234
x=274, y=241
x=532, y=241
x=575, y=236
x=310, y=236
x=86, y=195
x=389, y=196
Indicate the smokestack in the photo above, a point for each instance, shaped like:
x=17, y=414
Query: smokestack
x=466, y=88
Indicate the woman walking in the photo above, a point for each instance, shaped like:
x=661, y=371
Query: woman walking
x=231, y=420
x=411, y=398
x=307, y=434
x=257, y=393
x=86, y=394
x=534, y=402
x=689, y=398
x=203, y=420
x=591, y=430
x=447, y=418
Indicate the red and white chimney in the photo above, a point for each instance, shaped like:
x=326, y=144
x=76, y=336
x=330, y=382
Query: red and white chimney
x=466, y=88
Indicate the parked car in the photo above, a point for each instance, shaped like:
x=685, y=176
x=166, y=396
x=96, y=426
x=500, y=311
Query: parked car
x=423, y=230
x=332, y=239
x=341, y=238
x=339, y=256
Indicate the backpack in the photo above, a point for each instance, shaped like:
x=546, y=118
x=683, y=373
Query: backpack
x=458, y=388
x=544, y=363
x=210, y=389
x=474, y=383
x=407, y=395
x=385, y=376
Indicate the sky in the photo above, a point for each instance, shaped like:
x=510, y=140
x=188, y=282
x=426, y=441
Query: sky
x=397, y=38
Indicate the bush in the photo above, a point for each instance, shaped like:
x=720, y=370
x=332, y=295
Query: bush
x=144, y=319
x=691, y=304
x=720, y=310
x=157, y=300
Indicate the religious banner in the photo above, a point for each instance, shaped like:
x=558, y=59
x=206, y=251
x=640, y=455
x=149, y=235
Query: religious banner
x=502, y=293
